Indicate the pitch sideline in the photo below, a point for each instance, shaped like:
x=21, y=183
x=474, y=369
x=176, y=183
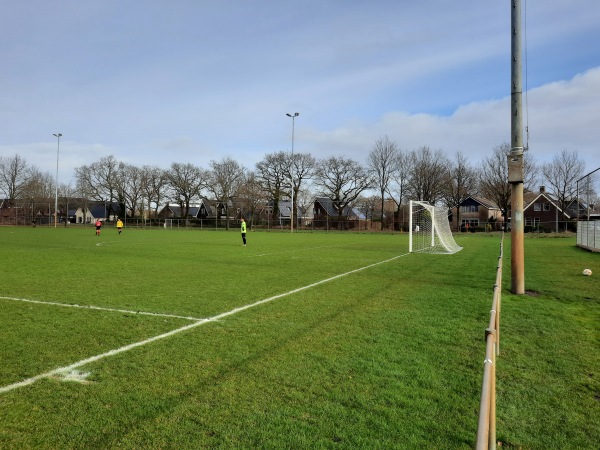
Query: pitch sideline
x=61, y=371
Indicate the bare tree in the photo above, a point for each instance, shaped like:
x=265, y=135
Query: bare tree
x=398, y=187
x=367, y=205
x=15, y=173
x=273, y=173
x=299, y=169
x=493, y=178
x=67, y=194
x=429, y=174
x=562, y=174
x=101, y=181
x=39, y=185
x=186, y=181
x=305, y=199
x=251, y=198
x=132, y=178
x=382, y=164
x=342, y=180
x=462, y=181
x=154, y=185
x=37, y=190
x=225, y=179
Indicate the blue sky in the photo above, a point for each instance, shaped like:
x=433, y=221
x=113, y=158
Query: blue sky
x=156, y=82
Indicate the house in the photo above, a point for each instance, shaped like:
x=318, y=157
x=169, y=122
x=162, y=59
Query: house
x=324, y=208
x=584, y=211
x=325, y=214
x=475, y=212
x=542, y=212
x=172, y=210
x=285, y=211
x=203, y=209
x=104, y=211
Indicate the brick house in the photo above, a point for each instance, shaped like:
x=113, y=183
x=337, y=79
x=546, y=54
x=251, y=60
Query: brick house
x=542, y=213
x=475, y=213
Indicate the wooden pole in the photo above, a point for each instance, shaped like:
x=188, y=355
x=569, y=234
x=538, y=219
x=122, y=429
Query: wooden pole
x=515, y=158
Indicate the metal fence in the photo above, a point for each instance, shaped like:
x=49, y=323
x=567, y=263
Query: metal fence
x=486, y=429
x=588, y=235
x=263, y=224
x=588, y=198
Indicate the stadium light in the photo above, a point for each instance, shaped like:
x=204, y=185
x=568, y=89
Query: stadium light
x=293, y=116
x=58, y=135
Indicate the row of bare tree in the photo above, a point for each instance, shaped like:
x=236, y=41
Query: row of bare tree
x=393, y=174
x=432, y=176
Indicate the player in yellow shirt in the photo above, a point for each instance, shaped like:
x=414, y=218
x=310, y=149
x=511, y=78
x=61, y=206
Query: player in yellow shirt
x=119, y=225
x=244, y=231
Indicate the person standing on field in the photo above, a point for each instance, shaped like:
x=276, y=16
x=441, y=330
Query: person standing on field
x=244, y=231
x=98, y=226
x=119, y=225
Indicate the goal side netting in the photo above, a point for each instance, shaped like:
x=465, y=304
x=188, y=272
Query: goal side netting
x=430, y=230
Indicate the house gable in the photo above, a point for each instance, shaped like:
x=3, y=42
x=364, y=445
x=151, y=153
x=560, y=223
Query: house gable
x=543, y=212
x=476, y=211
x=323, y=206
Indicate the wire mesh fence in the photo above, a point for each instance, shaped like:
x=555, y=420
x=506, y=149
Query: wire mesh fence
x=588, y=218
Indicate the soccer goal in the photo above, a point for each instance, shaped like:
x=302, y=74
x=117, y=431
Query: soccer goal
x=430, y=230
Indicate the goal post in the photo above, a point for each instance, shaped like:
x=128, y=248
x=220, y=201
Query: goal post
x=430, y=230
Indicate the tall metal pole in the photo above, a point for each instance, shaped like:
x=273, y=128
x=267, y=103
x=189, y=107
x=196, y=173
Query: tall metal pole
x=293, y=116
x=515, y=158
x=58, y=135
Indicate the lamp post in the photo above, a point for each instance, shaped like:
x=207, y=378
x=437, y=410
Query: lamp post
x=58, y=135
x=293, y=116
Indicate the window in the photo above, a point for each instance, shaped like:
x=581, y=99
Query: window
x=537, y=206
x=469, y=208
x=528, y=221
x=546, y=206
x=473, y=223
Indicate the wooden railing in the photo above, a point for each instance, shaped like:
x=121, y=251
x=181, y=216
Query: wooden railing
x=486, y=430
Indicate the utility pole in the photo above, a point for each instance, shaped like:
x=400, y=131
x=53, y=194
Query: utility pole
x=58, y=135
x=515, y=158
x=292, y=212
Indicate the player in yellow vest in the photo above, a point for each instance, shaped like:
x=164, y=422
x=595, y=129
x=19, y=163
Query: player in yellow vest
x=244, y=231
x=119, y=225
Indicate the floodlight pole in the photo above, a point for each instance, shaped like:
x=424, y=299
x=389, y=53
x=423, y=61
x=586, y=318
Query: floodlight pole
x=58, y=135
x=515, y=158
x=293, y=116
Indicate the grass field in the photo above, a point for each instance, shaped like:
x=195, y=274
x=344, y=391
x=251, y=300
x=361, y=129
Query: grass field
x=186, y=339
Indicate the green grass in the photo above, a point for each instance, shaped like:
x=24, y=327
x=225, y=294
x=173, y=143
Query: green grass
x=386, y=357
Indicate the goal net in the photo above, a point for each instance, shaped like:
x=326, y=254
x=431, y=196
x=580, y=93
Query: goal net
x=430, y=230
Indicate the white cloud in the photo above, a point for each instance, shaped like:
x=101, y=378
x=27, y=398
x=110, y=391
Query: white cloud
x=560, y=115
x=193, y=82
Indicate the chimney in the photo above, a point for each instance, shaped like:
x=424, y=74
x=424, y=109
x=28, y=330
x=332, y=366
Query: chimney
x=542, y=189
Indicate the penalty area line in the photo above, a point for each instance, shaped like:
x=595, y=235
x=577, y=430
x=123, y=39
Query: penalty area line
x=98, y=308
x=61, y=371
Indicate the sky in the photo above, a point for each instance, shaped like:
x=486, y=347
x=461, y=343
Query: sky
x=155, y=82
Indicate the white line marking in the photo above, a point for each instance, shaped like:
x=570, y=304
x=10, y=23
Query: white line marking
x=75, y=375
x=99, y=308
x=62, y=370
